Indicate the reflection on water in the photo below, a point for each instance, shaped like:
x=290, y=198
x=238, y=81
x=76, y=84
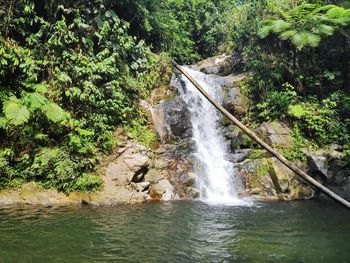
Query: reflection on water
x=314, y=231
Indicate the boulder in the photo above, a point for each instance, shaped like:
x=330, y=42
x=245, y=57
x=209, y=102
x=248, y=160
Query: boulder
x=269, y=178
x=192, y=193
x=234, y=101
x=153, y=176
x=220, y=65
x=317, y=165
x=138, y=165
x=118, y=195
x=162, y=190
x=130, y=166
x=276, y=134
x=239, y=155
x=171, y=119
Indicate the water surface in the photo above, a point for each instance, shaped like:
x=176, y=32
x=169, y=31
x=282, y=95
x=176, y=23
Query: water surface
x=312, y=231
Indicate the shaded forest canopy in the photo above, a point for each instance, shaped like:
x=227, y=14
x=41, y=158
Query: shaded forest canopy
x=71, y=72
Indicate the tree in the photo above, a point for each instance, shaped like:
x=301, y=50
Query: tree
x=305, y=24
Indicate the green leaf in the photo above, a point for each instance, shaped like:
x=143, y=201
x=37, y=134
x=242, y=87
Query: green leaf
x=34, y=100
x=288, y=34
x=41, y=88
x=3, y=123
x=15, y=112
x=304, y=38
x=279, y=26
x=265, y=31
x=84, y=132
x=296, y=111
x=54, y=112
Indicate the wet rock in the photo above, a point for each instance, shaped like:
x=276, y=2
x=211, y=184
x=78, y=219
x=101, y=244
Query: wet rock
x=171, y=120
x=192, y=193
x=162, y=190
x=239, y=155
x=188, y=179
x=242, y=141
x=220, y=65
x=269, y=178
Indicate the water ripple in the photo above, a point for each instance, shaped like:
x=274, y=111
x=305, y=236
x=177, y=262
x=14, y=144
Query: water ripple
x=177, y=232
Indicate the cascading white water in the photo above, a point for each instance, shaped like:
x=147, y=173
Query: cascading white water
x=215, y=176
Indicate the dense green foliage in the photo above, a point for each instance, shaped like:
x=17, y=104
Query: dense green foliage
x=71, y=72
x=69, y=75
x=297, y=52
x=187, y=30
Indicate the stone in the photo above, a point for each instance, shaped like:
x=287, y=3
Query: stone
x=280, y=175
x=192, y=193
x=140, y=187
x=221, y=65
x=163, y=190
x=235, y=102
x=118, y=195
x=276, y=134
x=153, y=176
x=239, y=155
x=188, y=179
x=130, y=166
x=317, y=165
x=171, y=119
x=269, y=178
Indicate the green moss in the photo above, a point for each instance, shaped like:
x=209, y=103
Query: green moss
x=262, y=170
x=257, y=154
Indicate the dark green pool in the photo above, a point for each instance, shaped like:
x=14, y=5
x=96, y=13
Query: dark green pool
x=310, y=231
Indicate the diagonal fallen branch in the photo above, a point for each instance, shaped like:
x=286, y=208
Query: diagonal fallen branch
x=252, y=135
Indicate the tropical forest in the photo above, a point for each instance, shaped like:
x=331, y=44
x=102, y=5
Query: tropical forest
x=174, y=130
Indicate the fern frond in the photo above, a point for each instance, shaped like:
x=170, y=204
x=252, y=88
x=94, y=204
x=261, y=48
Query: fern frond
x=283, y=13
x=264, y=31
x=304, y=38
x=34, y=100
x=15, y=112
x=324, y=29
x=54, y=112
x=288, y=34
x=280, y=25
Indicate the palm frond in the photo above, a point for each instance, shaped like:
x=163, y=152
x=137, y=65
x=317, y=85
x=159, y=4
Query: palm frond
x=15, y=112
x=265, y=30
x=304, y=38
x=287, y=34
x=280, y=25
x=324, y=29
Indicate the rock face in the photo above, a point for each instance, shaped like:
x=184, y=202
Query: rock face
x=268, y=178
x=221, y=65
x=330, y=167
x=171, y=120
x=130, y=176
x=276, y=134
x=263, y=176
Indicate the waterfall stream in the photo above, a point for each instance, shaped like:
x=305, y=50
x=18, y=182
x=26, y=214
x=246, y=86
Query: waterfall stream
x=216, y=178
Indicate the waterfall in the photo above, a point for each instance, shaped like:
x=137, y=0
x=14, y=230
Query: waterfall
x=215, y=176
